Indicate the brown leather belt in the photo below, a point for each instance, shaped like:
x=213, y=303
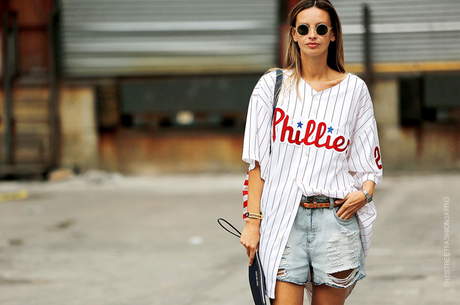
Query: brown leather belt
x=314, y=202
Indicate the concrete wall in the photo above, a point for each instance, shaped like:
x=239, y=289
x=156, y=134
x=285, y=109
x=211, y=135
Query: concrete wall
x=79, y=138
x=136, y=152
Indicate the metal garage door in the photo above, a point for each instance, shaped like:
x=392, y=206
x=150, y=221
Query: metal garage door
x=148, y=37
x=403, y=31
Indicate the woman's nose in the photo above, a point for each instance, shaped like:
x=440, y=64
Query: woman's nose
x=312, y=33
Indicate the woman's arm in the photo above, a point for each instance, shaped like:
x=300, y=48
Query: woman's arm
x=364, y=159
x=354, y=201
x=250, y=236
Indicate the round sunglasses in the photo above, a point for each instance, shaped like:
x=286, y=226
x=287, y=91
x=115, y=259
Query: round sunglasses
x=321, y=29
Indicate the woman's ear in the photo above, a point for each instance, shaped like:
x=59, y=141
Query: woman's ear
x=333, y=36
x=293, y=34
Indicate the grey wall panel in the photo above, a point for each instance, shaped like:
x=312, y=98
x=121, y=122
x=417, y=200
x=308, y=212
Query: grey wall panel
x=136, y=37
x=205, y=94
x=442, y=90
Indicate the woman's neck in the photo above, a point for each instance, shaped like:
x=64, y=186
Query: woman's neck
x=315, y=68
x=318, y=75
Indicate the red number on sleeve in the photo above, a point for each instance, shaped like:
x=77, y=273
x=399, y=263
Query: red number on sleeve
x=377, y=157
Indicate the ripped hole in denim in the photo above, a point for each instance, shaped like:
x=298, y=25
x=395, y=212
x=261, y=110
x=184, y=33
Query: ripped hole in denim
x=337, y=279
x=282, y=271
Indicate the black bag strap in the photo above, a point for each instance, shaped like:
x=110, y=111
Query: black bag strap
x=236, y=232
x=278, y=83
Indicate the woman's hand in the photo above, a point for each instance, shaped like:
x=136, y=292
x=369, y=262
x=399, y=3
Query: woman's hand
x=354, y=201
x=350, y=205
x=250, y=237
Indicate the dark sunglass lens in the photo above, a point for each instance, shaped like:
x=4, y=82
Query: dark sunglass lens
x=302, y=29
x=322, y=29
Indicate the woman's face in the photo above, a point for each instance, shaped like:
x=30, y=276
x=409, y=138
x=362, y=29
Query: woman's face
x=313, y=44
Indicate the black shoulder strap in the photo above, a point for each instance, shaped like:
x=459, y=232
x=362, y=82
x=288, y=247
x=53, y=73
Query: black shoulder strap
x=278, y=84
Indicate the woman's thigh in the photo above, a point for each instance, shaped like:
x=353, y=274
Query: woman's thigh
x=327, y=295
x=288, y=294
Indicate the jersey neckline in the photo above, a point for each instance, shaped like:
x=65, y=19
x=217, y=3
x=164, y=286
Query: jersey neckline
x=316, y=92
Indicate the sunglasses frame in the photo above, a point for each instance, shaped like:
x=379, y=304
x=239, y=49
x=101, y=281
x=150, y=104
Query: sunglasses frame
x=313, y=28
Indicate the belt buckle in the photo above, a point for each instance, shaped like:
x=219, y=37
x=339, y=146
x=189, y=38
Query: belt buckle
x=331, y=203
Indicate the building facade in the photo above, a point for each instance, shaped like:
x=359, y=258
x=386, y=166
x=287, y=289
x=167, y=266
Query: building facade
x=163, y=86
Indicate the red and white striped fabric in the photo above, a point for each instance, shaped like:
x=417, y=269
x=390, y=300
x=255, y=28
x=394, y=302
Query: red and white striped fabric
x=245, y=195
x=323, y=143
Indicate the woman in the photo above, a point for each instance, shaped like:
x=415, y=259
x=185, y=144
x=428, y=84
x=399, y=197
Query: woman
x=313, y=165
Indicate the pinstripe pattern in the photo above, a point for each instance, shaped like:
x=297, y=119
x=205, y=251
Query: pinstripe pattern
x=319, y=162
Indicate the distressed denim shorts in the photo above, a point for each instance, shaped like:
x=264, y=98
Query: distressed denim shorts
x=319, y=245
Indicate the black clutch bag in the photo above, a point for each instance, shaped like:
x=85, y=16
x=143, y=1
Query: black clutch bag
x=256, y=273
x=257, y=282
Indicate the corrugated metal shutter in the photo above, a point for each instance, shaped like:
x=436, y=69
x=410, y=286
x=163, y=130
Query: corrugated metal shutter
x=138, y=37
x=404, y=31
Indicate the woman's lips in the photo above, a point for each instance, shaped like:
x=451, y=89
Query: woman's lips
x=312, y=45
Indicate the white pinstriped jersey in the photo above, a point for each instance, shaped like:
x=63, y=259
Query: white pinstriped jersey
x=324, y=143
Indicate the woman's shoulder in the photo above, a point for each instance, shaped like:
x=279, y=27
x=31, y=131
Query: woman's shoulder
x=268, y=80
x=270, y=75
x=357, y=79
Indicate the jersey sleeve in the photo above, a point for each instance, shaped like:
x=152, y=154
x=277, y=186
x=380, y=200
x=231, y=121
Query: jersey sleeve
x=256, y=144
x=365, y=162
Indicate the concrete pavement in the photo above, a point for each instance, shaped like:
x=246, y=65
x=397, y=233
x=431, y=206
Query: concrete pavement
x=109, y=239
